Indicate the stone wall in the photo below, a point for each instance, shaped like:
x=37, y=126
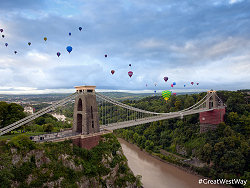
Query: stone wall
x=213, y=117
x=87, y=142
x=206, y=127
x=209, y=120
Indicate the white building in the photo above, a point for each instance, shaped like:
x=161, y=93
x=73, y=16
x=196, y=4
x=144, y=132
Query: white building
x=29, y=109
x=59, y=117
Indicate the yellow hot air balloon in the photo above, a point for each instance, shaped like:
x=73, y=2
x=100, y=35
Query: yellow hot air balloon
x=45, y=38
x=166, y=94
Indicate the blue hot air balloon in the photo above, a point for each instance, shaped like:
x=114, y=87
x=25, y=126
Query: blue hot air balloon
x=80, y=28
x=174, y=83
x=69, y=34
x=69, y=49
x=184, y=85
x=6, y=44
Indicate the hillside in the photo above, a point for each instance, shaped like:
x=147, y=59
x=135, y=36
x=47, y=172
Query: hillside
x=24, y=163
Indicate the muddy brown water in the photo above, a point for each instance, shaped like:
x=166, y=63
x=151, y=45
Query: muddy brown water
x=158, y=174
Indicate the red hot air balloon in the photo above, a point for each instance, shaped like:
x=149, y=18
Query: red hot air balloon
x=197, y=83
x=165, y=78
x=112, y=71
x=174, y=93
x=172, y=85
x=130, y=73
x=1, y=30
x=192, y=83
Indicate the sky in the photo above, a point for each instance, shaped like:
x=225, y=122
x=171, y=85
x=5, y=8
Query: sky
x=188, y=41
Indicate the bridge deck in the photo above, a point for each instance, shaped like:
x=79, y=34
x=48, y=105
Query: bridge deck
x=65, y=135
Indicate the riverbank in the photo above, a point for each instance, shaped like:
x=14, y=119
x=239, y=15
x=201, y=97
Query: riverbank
x=157, y=172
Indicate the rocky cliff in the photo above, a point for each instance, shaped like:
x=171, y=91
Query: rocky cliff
x=24, y=163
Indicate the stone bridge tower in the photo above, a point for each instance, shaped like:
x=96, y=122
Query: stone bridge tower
x=86, y=120
x=210, y=119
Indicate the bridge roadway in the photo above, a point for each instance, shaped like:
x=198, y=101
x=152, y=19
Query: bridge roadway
x=131, y=123
x=65, y=135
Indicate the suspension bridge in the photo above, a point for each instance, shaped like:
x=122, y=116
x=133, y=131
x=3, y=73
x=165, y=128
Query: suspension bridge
x=95, y=114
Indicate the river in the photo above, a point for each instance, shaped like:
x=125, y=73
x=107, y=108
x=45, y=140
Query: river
x=157, y=174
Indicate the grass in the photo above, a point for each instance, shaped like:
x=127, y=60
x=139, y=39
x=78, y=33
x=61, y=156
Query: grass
x=8, y=137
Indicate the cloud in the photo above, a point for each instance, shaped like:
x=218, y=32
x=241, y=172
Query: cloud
x=234, y=1
x=185, y=40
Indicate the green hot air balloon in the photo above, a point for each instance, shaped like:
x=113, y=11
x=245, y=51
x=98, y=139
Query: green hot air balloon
x=166, y=94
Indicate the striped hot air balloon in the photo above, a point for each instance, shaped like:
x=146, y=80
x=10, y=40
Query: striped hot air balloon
x=166, y=94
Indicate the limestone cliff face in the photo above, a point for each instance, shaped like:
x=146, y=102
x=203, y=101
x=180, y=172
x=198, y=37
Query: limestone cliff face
x=26, y=164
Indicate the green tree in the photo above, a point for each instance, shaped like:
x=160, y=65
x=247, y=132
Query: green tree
x=10, y=113
x=48, y=127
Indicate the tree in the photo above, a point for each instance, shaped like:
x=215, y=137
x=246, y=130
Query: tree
x=10, y=113
x=135, y=137
x=206, y=154
x=48, y=127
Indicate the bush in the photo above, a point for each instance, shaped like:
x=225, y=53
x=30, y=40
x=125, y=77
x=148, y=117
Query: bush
x=22, y=142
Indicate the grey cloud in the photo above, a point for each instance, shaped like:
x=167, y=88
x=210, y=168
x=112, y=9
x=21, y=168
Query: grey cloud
x=155, y=37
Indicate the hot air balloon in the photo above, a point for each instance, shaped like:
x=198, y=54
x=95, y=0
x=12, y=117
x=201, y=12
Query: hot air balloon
x=165, y=78
x=155, y=84
x=174, y=83
x=166, y=94
x=29, y=43
x=80, y=28
x=184, y=85
x=69, y=34
x=69, y=49
x=155, y=91
x=112, y=71
x=15, y=52
x=197, y=83
x=174, y=93
x=130, y=73
x=129, y=65
x=1, y=30
x=3, y=36
x=146, y=85
x=105, y=55
x=192, y=83
x=58, y=54
x=6, y=44
x=45, y=39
